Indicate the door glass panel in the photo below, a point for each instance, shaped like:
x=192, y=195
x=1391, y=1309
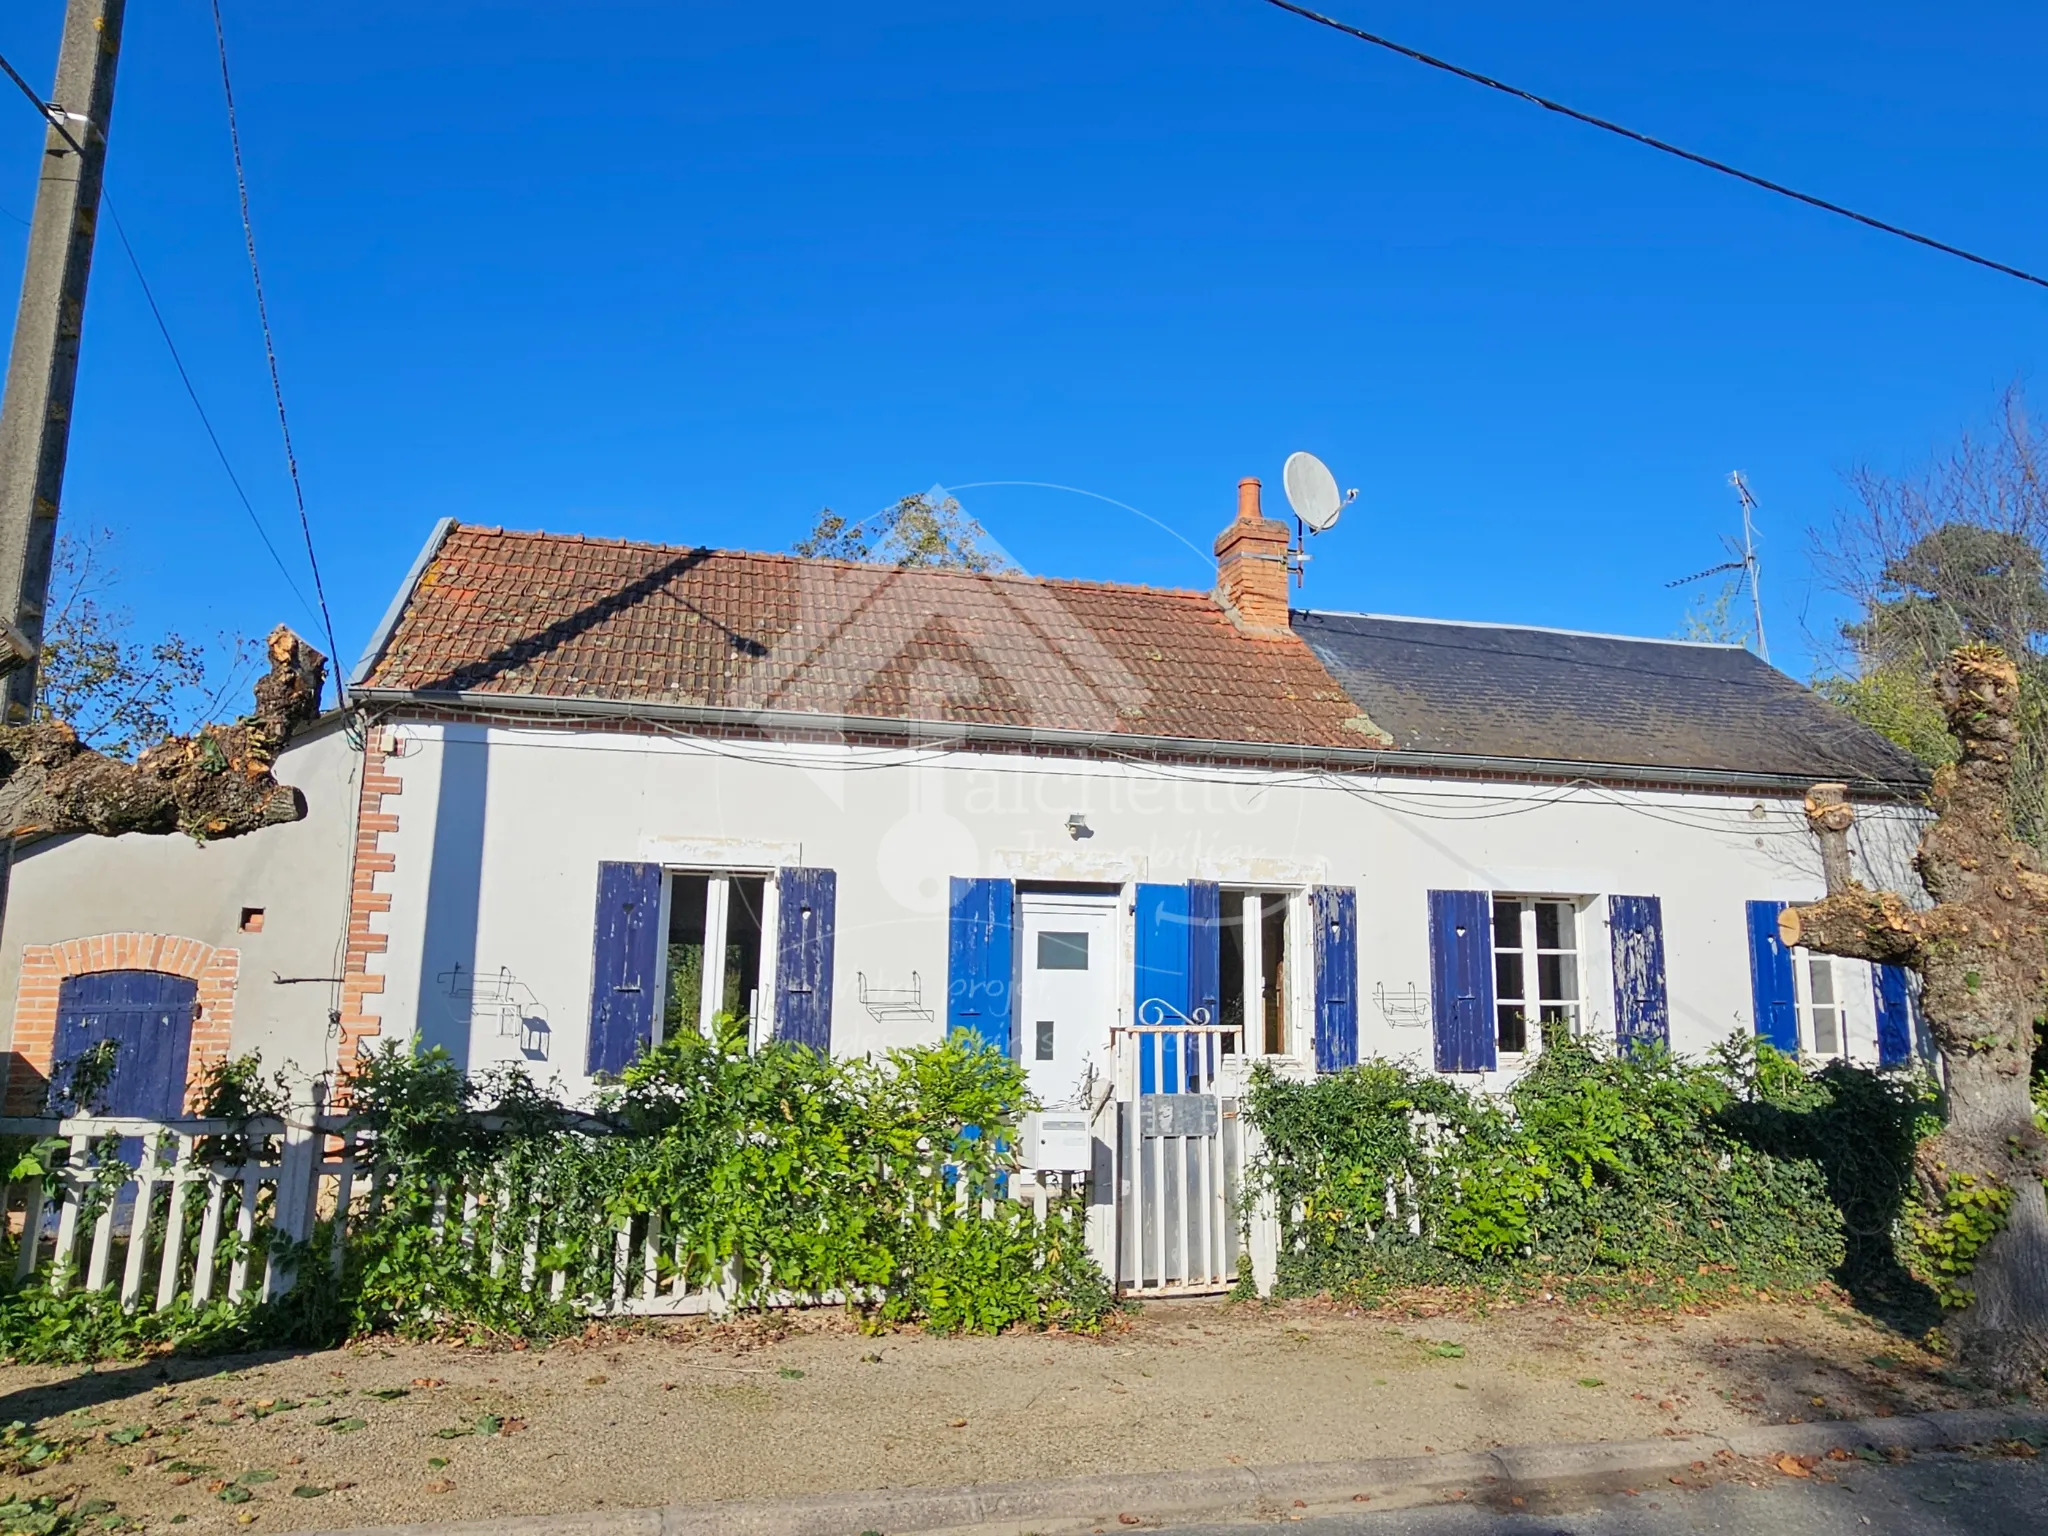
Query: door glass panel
x=1063, y=951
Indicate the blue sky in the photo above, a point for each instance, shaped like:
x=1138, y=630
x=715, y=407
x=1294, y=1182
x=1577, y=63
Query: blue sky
x=690, y=273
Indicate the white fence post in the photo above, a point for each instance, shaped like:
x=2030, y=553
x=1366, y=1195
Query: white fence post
x=1262, y=1221
x=298, y=1187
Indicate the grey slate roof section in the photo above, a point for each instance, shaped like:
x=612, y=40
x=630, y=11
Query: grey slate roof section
x=1498, y=691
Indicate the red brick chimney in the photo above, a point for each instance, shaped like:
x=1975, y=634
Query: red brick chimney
x=1251, y=567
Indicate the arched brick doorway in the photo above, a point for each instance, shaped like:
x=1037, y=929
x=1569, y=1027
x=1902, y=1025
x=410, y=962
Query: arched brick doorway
x=46, y=968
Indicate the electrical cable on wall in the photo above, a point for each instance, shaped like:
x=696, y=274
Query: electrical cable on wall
x=1491, y=806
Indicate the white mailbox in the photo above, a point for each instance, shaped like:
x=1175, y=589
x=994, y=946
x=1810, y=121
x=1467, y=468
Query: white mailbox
x=1057, y=1141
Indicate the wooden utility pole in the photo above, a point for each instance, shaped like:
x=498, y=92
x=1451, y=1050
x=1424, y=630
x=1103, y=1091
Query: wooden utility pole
x=42, y=370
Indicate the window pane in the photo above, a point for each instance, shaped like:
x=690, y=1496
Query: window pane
x=1230, y=970
x=1063, y=951
x=1827, y=1033
x=1045, y=1039
x=1507, y=925
x=1557, y=978
x=1273, y=961
x=685, y=952
x=743, y=903
x=1554, y=925
x=1507, y=978
x=1820, y=975
x=1514, y=1033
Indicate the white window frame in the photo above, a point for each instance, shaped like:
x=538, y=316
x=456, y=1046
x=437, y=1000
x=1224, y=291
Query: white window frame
x=1297, y=1006
x=717, y=907
x=1803, y=962
x=1531, y=1000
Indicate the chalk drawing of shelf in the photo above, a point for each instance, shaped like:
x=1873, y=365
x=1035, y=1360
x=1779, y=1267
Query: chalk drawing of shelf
x=1406, y=1009
x=894, y=1005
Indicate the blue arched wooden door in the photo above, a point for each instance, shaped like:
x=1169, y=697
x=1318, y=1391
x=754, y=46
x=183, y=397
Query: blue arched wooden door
x=148, y=1016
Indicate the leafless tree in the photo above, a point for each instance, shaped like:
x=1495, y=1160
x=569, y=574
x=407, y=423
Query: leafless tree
x=1950, y=556
x=928, y=530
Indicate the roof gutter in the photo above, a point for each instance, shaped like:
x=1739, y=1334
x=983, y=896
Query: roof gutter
x=381, y=636
x=1114, y=743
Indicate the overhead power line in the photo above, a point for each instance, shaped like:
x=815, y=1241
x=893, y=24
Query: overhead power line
x=164, y=330
x=1645, y=139
x=284, y=426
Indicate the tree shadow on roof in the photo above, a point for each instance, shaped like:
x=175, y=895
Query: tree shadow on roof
x=510, y=658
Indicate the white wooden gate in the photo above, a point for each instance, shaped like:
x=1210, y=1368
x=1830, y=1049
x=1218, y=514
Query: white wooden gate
x=1180, y=1157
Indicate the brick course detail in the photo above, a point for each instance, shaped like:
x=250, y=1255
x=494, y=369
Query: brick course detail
x=44, y=968
x=361, y=987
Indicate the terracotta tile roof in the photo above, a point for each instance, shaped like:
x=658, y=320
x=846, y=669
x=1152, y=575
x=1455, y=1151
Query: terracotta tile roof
x=532, y=614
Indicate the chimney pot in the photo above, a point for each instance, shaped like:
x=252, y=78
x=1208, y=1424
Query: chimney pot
x=1248, y=500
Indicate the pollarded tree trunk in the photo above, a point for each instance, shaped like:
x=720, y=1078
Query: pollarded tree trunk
x=215, y=783
x=1983, y=963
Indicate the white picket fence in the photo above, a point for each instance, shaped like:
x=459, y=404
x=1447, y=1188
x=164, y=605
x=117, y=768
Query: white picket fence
x=126, y=1192
x=154, y=1208
x=139, y=1204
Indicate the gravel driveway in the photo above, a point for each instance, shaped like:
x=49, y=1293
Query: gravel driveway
x=385, y=1431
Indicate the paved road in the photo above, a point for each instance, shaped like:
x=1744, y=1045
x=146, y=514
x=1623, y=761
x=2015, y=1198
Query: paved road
x=1928, y=1496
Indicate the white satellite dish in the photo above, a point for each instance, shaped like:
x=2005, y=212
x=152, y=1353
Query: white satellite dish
x=1312, y=491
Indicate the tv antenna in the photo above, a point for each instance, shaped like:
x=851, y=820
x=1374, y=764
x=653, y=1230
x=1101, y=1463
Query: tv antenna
x=1745, y=561
x=1312, y=492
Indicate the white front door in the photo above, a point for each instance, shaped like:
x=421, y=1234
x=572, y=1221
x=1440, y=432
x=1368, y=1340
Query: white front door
x=1068, y=1001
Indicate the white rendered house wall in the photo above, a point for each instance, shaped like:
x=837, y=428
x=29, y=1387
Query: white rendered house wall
x=503, y=831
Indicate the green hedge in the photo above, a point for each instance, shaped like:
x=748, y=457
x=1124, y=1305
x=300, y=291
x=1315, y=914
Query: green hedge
x=1594, y=1163
x=781, y=1172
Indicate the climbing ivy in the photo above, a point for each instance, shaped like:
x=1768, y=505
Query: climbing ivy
x=1946, y=1240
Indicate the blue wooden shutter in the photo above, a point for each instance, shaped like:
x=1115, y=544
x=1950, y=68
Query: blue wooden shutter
x=147, y=1015
x=980, y=961
x=1334, y=910
x=1205, y=951
x=1894, y=1015
x=805, y=900
x=1461, y=979
x=1162, y=948
x=1770, y=978
x=1642, y=1006
x=625, y=964
x=1160, y=975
